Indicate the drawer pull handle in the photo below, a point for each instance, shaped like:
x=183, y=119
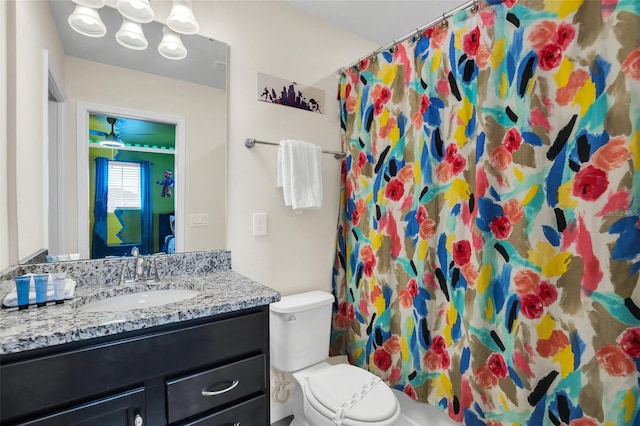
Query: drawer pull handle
x=206, y=392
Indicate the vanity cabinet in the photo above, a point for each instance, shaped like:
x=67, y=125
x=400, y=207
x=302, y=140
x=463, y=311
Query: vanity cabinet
x=123, y=409
x=211, y=372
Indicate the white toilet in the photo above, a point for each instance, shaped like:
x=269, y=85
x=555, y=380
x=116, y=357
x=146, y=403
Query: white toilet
x=300, y=328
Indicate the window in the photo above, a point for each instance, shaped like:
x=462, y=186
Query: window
x=124, y=186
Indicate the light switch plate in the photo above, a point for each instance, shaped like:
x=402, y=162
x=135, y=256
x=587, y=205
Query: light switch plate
x=199, y=219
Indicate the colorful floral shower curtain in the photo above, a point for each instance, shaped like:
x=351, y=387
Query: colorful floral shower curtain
x=488, y=249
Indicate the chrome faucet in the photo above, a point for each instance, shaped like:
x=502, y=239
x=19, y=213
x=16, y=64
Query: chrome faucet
x=138, y=265
x=145, y=267
x=152, y=272
x=125, y=272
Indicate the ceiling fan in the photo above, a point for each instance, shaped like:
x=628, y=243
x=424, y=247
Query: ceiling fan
x=112, y=139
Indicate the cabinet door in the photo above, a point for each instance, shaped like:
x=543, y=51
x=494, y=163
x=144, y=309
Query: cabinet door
x=249, y=413
x=124, y=409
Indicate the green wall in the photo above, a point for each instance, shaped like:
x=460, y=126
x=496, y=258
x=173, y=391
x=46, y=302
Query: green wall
x=159, y=163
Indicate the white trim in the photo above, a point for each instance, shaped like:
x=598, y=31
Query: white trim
x=82, y=115
x=63, y=177
x=45, y=148
x=136, y=149
x=55, y=83
x=55, y=127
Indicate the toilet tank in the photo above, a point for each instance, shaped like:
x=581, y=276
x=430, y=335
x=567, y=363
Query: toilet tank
x=299, y=330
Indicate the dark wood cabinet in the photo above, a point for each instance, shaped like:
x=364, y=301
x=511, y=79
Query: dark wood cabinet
x=249, y=413
x=200, y=372
x=121, y=409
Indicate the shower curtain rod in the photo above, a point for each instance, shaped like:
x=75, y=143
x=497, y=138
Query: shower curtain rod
x=442, y=20
x=250, y=143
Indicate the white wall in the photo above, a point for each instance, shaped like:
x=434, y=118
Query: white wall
x=277, y=39
x=30, y=118
x=204, y=110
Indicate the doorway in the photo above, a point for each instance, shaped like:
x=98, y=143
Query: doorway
x=131, y=186
x=123, y=151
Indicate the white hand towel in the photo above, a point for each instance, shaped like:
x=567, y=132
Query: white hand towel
x=279, y=177
x=300, y=174
x=11, y=299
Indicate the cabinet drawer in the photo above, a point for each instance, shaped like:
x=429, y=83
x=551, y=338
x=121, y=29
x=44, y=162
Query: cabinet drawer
x=209, y=389
x=249, y=413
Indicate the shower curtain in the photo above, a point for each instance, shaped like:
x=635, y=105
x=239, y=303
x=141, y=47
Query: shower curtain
x=488, y=248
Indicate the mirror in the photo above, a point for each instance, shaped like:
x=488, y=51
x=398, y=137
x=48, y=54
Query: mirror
x=104, y=79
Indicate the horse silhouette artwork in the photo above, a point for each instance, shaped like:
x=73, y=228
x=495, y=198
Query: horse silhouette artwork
x=292, y=95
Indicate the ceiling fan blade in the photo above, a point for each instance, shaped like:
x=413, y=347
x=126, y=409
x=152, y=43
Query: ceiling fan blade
x=97, y=133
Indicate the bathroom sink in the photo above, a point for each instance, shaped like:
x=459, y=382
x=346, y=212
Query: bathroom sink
x=140, y=300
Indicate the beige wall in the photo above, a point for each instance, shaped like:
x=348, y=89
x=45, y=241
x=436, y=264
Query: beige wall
x=5, y=259
x=276, y=39
x=30, y=120
x=204, y=111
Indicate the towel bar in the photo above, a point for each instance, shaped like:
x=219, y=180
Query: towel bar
x=250, y=143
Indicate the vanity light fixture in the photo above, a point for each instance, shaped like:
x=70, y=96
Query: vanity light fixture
x=86, y=21
x=94, y=4
x=136, y=10
x=171, y=46
x=181, y=18
x=131, y=36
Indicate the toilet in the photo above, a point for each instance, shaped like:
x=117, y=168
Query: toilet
x=324, y=394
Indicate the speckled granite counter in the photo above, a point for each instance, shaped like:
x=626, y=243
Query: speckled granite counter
x=220, y=292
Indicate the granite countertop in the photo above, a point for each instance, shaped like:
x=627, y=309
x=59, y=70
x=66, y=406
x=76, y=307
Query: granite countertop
x=220, y=292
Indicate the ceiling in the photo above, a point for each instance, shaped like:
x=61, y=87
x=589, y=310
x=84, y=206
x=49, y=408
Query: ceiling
x=132, y=132
x=205, y=62
x=380, y=21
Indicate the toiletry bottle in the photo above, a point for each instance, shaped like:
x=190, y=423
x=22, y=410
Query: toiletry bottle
x=41, y=282
x=22, y=288
x=58, y=287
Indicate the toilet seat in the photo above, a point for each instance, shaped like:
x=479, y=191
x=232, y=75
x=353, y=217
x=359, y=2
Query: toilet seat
x=349, y=396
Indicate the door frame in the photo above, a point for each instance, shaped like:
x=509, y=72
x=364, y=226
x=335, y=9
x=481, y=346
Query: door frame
x=82, y=128
x=55, y=156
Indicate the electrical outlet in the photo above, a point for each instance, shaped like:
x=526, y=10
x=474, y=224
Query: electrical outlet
x=259, y=224
x=199, y=219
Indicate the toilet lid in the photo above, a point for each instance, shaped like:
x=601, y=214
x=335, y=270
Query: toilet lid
x=351, y=393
